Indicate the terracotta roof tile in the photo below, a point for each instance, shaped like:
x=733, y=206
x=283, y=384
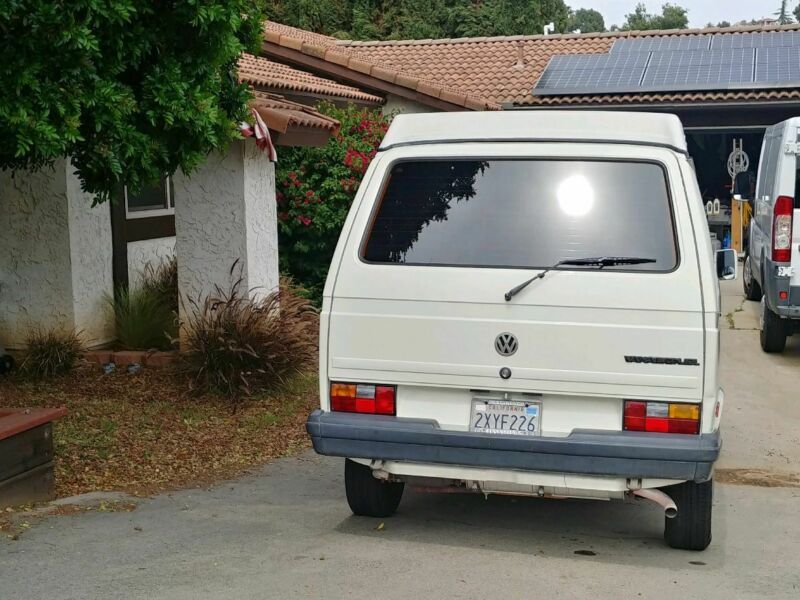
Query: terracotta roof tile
x=261, y=72
x=273, y=29
x=336, y=52
x=281, y=114
x=505, y=69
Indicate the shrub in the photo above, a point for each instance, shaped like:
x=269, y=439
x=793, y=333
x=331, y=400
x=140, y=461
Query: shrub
x=51, y=352
x=236, y=345
x=143, y=320
x=162, y=281
x=315, y=188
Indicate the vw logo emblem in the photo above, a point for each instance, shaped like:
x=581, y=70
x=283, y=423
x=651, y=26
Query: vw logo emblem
x=505, y=344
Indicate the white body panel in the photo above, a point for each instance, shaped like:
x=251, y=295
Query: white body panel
x=777, y=174
x=430, y=330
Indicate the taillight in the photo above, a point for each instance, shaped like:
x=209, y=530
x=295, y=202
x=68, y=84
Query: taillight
x=363, y=398
x=782, y=229
x=662, y=417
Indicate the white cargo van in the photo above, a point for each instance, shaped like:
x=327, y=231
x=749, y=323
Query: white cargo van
x=772, y=260
x=526, y=303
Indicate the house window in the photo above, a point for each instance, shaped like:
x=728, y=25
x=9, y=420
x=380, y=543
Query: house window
x=151, y=201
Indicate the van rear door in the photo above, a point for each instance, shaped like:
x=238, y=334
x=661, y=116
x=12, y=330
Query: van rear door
x=438, y=237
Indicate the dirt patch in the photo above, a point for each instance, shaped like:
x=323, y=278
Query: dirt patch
x=15, y=522
x=146, y=433
x=757, y=477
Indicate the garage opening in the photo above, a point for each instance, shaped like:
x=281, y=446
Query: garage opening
x=726, y=161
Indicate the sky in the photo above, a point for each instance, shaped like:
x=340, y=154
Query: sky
x=700, y=11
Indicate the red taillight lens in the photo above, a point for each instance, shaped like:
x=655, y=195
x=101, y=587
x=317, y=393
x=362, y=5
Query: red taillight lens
x=661, y=417
x=782, y=229
x=363, y=398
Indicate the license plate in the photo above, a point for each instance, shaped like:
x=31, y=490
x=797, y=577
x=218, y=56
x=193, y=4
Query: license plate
x=505, y=417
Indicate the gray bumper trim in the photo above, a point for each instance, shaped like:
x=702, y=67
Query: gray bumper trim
x=587, y=452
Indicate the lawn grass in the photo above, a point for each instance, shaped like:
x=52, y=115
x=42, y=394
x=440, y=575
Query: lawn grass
x=146, y=433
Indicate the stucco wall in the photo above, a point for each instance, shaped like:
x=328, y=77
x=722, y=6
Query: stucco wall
x=262, y=220
x=227, y=215
x=147, y=251
x=92, y=260
x=397, y=105
x=55, y=256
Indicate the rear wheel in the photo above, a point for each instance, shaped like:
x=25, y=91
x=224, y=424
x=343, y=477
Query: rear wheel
x=367, y=496
x=691, y=528
x=752, y=290
x=773, y=330
x=6, y=364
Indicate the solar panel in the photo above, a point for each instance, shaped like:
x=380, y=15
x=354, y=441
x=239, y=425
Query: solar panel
x=759, y=39
x=699, y=69
x=574, y=73
x=777, y=65
x=674, y=63
x=662, y=44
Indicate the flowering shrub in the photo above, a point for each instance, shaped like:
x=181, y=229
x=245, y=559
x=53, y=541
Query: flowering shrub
x=315, y=187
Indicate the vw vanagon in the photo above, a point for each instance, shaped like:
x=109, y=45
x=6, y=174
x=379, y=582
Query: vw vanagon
x=526, y=303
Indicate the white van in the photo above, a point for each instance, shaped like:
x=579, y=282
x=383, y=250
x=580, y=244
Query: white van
x=772, y=259
x=526, y=303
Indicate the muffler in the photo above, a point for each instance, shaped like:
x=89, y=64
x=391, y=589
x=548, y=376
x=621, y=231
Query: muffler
x=660, y=498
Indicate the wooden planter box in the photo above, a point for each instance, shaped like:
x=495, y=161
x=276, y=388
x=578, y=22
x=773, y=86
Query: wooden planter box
x=26, y=454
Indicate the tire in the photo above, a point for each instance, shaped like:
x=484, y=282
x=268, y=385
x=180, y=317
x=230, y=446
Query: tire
x=6, y=364
x=691, y=528
x=367, y=496
x=752, y=290
x=773, y=330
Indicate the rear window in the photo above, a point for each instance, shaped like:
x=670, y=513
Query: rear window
x=522, y=213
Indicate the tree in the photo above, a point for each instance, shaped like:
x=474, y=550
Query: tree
x=783, y=14
x=415, y=19
x=129, y=90
x=797, y=13
x=587, y=20
x=672, y=17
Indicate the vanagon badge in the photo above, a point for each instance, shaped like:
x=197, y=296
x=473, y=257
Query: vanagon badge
x=658, y=360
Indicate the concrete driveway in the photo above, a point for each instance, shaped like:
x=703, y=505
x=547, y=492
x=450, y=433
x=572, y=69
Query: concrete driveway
x=286, y=531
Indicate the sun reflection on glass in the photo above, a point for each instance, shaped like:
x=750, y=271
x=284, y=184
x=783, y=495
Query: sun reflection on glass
x=576, y=196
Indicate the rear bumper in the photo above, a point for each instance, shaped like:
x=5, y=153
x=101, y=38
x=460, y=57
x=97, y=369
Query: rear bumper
x=585, y=452
x=773, y=286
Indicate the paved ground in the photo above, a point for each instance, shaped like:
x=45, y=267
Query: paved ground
x=286, y=532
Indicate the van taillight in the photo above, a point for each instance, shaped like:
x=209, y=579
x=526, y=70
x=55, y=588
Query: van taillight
x=363, y=398
x=782, y=229
x=661, y=417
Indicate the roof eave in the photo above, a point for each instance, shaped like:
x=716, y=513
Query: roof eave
x=362, y=76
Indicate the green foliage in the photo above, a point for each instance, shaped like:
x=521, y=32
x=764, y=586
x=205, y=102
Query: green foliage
x=587, y=20
x=130, y=90
x=161, y=281
x=419, y=19
x=672, y=17
x=145, y=318
x=315, y=188
x=50, y=352
x=237, y=345
x=782, y=14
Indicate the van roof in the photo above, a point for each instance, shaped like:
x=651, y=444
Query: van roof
x=639, y=128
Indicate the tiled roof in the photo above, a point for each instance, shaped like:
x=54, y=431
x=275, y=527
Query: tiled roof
x=331, y=50
x=505, y=69
x=280, y=114
x=261, y=72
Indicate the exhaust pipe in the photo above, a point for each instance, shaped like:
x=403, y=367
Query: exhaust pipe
x=660, y=498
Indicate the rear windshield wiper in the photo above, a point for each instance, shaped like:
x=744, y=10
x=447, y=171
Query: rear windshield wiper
x=598, y=261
